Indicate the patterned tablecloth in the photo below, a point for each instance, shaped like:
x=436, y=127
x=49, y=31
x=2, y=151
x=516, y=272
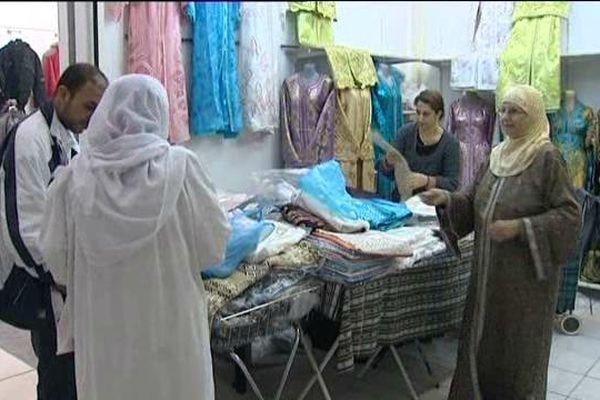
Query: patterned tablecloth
x=424, y=300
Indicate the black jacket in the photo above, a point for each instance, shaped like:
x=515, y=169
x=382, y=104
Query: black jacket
x=20, y=74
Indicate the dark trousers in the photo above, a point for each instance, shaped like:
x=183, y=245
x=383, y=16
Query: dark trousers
x=56, y=374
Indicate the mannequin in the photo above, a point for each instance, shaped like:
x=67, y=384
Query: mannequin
x=573, y=133
x=307, y=124
x=570, y=100
x=309, y=72
x=472, y=120
x=383, y=70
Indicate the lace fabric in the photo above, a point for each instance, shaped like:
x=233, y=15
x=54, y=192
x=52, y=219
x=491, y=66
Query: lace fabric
x=261, y=32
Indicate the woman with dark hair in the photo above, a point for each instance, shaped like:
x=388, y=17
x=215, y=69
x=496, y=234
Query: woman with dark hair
x=432, y=153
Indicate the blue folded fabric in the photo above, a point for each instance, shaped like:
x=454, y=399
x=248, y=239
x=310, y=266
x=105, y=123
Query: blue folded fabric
x=326, y=184
x=246, y=234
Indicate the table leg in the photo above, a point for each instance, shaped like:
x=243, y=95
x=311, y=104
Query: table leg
x=321, y=367
x=239, y=380
x=370, y=361
x=247, y=375
x=288, y=366
x=411, y=388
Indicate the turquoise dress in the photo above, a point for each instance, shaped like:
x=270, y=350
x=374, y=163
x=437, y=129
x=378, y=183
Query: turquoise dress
x=215, y=105
x=388, y=119
x=325, y=185
x=569, y=132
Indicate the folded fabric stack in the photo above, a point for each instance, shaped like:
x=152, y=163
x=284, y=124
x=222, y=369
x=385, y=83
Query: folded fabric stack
x=424, y=241
x=302, y=256
x=282, y=237
x=220, y=291
x=298, y=258
x=317, y=197
x=300, y=217
x=422, y=214
x=359, y=257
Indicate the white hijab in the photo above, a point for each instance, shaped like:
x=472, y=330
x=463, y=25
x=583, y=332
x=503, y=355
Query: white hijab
x=127, y=178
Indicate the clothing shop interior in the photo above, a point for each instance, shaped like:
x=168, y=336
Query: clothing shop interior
x=300, y=200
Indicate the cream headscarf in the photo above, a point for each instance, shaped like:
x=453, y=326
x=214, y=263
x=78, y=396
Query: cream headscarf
x=514, y=156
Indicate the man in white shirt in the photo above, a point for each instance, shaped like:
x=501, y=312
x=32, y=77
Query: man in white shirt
x=41, y=143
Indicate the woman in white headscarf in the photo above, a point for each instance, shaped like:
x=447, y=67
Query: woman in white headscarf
x=129, y=226
x=526, y=220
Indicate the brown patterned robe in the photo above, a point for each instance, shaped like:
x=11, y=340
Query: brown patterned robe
x=507, y=326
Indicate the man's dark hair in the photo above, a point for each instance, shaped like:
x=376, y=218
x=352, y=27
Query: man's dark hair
x=77, y=75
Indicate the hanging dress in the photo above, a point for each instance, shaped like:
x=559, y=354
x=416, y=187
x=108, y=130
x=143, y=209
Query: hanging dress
x=215, y=99
x=154, y=48
x=388, y=119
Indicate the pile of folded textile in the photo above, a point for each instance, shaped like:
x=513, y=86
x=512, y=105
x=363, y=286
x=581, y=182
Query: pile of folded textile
x=361, y=257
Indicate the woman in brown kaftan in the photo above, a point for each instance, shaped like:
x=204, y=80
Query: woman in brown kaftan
x=524, y=213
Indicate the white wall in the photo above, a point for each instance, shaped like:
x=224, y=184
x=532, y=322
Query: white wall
x=581, y=72
x=443, y=30
x=583, y=28
x=583, y=76
x=34, y=22
x=382, y=27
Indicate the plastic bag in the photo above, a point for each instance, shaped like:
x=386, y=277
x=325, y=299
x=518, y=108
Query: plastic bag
x=245, y=236
x=277, y=186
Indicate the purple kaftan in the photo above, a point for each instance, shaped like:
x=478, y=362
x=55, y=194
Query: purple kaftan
x=472, y=121
x=307, y=121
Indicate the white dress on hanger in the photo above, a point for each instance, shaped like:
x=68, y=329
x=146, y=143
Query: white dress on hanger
x=261, y=33
x=490, y=41
x=479, y=69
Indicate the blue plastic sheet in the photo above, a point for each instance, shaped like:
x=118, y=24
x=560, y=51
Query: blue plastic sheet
x=246, y=234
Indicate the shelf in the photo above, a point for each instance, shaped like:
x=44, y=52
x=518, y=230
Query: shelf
x=302, y=52
x=580, y=57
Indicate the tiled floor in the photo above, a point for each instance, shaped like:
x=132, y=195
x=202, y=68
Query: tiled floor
x=17, y=379
x=574, y=372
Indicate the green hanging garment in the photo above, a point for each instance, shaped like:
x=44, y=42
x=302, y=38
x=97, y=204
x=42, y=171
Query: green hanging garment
x=314, y=22
x=532, y=55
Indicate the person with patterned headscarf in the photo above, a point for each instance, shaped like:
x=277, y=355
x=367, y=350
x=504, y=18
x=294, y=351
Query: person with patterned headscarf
x=521, y=208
